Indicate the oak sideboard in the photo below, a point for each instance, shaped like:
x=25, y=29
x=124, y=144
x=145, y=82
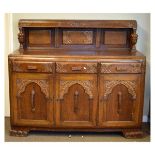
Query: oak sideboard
x=77, y=75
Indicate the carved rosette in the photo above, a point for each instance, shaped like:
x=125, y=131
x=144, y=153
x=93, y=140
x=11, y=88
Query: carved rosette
x=43, y=84
x=115, y=68
x=130, y=85
x=21, y=37
x=87, y=85
x=133, y=40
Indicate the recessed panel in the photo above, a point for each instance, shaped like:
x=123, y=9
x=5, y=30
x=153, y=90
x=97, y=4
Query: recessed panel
x=115, y=37
x=39, y=37
x=77, y=37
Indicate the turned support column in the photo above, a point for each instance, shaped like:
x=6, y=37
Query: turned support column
x=21, y=38
x=133, y=40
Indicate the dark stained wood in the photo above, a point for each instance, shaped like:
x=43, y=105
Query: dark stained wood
x=32, y=99
x=114, y=38
x=74, y=37
x=76, y=67
x=76, y=100
x=81, y=34
x=119, y=100
x=78, y=23
x=37, y=37
x=82, y=75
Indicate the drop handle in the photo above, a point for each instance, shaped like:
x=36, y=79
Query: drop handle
x=76, y=101
x=79, y=68
x=32, y=100
x=121, y=68
x=119, y=102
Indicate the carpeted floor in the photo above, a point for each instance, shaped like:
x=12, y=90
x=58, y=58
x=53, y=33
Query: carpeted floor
x=75, y=137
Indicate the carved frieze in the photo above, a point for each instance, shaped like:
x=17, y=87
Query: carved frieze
x=17, y=67
x=22, y=83
x=110, y=84
x=60, y=68
x=77, y=37
x=120, y=68
x=86, y=68
x=21, y=67
x=87, y=85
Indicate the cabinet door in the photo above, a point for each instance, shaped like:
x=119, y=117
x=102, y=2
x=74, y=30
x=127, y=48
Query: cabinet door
x=32, y=104
x=76, y=100
x=119, y=100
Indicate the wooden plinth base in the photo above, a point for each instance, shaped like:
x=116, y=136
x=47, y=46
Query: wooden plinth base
x=19, y=133
x=133, y=133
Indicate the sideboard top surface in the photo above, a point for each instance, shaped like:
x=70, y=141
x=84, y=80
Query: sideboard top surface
x=54, y=55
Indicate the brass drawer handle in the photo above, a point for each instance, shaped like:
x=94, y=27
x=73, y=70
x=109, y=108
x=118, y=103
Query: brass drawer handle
x=32, y=67
x=76, y=68
x=121, y=68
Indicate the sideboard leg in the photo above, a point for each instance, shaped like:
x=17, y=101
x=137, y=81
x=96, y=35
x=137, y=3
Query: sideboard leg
x=19, y=133
x=133, y=133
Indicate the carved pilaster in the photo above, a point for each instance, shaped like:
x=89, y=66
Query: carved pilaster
x=133, y=40
x=21, y=38
x=130, y=85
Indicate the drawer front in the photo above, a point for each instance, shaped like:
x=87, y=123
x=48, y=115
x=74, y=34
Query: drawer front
x=121, y=67
x=33, y=67
x=70, y=67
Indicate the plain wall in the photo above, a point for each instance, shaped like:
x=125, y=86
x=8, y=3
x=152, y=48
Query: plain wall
x=143, y=44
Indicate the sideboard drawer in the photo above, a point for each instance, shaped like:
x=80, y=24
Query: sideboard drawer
x=76, y=67
x=133, y=67
x=20, y=66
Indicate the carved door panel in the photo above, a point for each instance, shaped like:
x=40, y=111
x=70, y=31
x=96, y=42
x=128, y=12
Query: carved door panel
x=119, y=100
x=76, y=100
x=32, y=98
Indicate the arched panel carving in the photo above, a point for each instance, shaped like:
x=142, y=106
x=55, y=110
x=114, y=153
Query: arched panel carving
x=43, y=84
x=130, y=85
x=87, y=85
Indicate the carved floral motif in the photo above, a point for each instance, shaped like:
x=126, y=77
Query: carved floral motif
x=61, y=68
x=21, y=37
x=115, y=68
x=21, y=85
x=48, y=67
x=87, y=68
x=86, y=37
x=130, y=85
x=18, y=133
x=87, y=85
x=133, y=40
